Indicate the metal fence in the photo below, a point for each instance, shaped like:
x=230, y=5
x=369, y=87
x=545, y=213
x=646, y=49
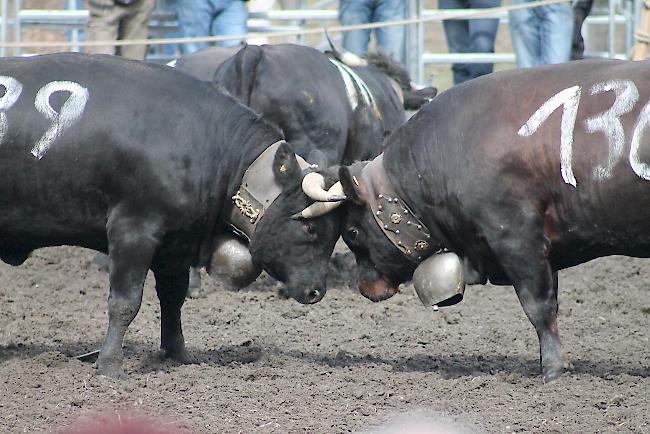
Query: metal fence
x=620, y=18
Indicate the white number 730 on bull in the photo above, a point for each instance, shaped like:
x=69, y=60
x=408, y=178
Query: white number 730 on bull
x=607, y=122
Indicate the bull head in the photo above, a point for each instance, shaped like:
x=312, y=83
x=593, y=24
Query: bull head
x=295, y=238
x=391, y=244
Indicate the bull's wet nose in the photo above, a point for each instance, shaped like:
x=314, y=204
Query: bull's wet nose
x=314, y=295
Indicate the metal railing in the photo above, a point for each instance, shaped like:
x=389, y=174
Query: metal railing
x=417, y=55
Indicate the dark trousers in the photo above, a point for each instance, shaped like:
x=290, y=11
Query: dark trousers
x=469, y=36
x=581, y=9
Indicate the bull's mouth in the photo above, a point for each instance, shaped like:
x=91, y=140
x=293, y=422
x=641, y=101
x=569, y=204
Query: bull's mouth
x=378, y=290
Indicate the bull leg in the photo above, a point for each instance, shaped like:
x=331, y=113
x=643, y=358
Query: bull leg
x=537, y=292
x=539, y=301
x=171, y=287
x=131, y=248
x=523, y=250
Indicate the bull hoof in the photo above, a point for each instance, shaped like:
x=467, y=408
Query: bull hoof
x=112, y=370
x=181, y=356
x=195, y=292
x=552, y=375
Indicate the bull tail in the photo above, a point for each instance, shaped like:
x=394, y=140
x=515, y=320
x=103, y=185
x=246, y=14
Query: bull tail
x=238, y=74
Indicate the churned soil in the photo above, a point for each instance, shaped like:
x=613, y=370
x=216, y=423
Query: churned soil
x=270, y=365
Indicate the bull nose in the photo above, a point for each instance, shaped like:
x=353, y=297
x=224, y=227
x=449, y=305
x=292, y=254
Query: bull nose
x=314, y=295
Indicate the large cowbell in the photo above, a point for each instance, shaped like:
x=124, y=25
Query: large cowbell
x=232, y=262
x=439, y=280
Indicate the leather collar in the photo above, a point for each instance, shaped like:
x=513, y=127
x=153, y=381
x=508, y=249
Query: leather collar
x=256, y=193
x=403, y=228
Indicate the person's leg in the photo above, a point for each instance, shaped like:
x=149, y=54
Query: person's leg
x=556, y=33
x=391, y=39
x=194, y=20
x=482, y=33
x=524, y=32
x=102, y=25
x=457, y=35
x=230, y=20
x=135, y=25
x=355, y=12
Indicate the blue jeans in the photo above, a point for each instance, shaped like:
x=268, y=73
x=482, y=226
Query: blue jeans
x=470, y=36
x=389, y=39
x=210, y=18
x=541, y=35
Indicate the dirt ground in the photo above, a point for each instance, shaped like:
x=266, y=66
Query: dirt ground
x=270, y=365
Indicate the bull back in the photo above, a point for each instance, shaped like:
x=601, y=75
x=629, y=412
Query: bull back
x=572, y=146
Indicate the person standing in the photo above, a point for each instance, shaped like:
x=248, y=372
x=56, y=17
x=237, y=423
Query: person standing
x=389, y=39
x=541, y=35
x=211, y=18
x=470, y=36
x=112, y=20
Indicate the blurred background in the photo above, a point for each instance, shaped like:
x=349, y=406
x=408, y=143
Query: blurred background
x=608, y=31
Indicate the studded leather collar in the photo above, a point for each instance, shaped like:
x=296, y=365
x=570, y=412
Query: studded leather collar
x=403, y=228
x=256, y=193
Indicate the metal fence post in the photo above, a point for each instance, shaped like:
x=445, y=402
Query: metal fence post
x=411, y=34
x=5, y=22
x=74, y=33
x=612, y=28
x=17, y=27
x=420, y=42
x=629, y=26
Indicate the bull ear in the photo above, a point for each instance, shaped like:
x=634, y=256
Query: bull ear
x=352, y=186
x=414, y=99
x=285, y=166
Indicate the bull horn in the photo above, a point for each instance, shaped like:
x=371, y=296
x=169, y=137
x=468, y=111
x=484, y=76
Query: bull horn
x=345, y=56
x=416, y=86
x=316, y=209
x=313, y=184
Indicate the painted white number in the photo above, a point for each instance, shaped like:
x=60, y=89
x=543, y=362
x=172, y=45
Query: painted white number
x=641, y=169
x=70, y=111
x=13, y=89
x=569, y=99
x=609, y=122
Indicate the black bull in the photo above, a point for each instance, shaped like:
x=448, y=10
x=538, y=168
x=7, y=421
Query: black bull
x=328, y=116
x=558, y=175
x=202, y=64
x=141, y=161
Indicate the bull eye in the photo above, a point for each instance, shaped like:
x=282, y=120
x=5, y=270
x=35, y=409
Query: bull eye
x=353, y=233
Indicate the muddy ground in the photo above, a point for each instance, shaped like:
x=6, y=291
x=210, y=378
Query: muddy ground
x=270, y=365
